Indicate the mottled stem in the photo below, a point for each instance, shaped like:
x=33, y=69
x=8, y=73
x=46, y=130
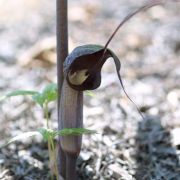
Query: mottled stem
x=71, y=167
x=71, y=111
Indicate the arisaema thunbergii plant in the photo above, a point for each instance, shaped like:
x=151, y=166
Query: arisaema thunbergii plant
x=82, y=71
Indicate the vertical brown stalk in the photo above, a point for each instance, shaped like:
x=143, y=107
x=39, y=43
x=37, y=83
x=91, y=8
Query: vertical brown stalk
x=62, y=52
x=70, y=102
x=71, y=108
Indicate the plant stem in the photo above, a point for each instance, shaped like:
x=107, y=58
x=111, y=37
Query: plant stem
x=71, y=108
x=50, y=157
x=71, y=167
x=54, y=159
x=62, y=52
x=51, y=146
x=51, y=152
x=47, y=126
x=70, y=104
x=46, y=114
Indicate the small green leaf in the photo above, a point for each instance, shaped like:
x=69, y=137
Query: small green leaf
x=21, y=92
x=75, y=131
x=50, y=92
x=47, y=133
x=22, y=136
x=39, y=99
x=18, y=93
x=90, y=93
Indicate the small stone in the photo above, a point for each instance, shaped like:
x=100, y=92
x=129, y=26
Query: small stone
x=2, y=158
x=173, y=97
x=175, y=133
x=89, y=170
x=85, y=156
x=119, y=172
x=93, y=111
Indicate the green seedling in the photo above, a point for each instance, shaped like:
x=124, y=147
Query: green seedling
x=43, y=98
x=18, y=93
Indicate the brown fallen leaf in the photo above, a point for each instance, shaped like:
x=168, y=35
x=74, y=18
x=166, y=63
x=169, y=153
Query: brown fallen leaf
x=43, y=53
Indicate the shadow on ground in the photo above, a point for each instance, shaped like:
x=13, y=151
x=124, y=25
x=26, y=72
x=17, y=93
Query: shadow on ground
x=156, y=157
